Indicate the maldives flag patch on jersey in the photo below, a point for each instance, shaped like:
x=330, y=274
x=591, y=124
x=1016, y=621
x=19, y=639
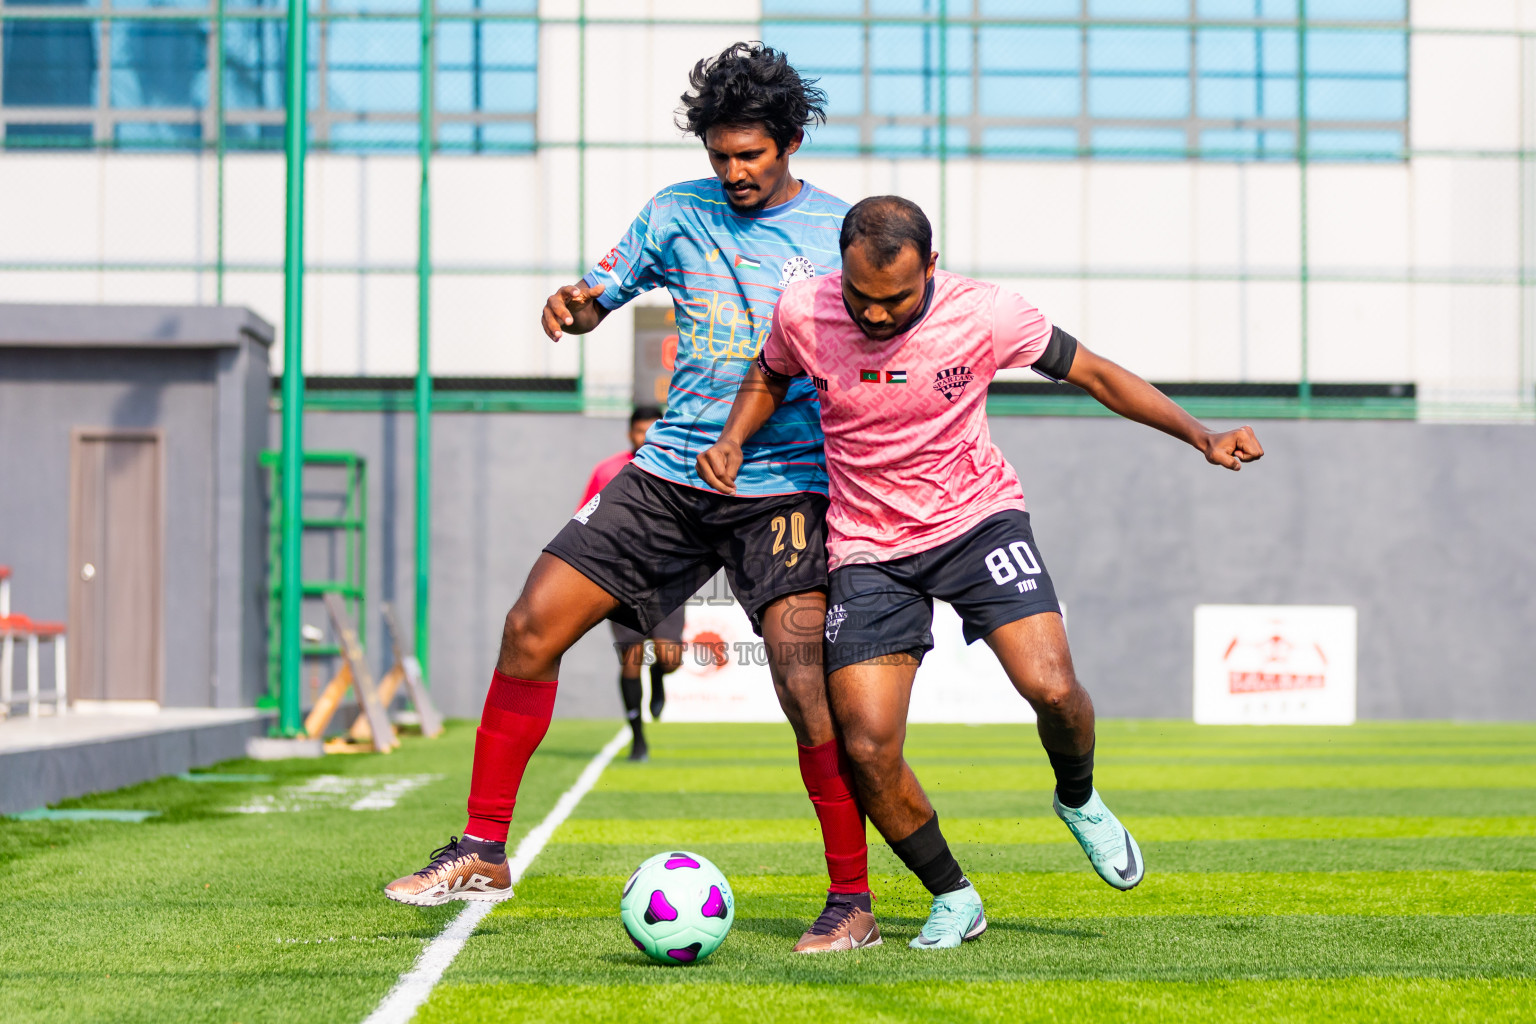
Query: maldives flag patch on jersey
x=747, y=261
x=869, y=376
x=895, y=376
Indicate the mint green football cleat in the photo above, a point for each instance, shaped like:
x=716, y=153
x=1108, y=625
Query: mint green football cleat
x=955, y=917
x=1110, y=848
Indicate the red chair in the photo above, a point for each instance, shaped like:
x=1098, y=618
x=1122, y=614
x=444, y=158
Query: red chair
x=19, y=627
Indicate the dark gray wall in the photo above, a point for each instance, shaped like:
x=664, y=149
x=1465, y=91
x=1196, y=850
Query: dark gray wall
x=1427, y=529
x=200, y=375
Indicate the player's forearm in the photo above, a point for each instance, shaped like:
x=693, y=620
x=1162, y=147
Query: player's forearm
x=1122, y=392
x=757, y=399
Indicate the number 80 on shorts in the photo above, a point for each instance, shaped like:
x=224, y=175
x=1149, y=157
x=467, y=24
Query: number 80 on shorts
x=1003, y=569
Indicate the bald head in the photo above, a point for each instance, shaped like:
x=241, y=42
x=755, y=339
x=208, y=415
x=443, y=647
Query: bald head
x=884, y=225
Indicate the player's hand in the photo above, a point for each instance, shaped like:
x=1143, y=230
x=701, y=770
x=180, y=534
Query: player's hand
x=562, y=308
x=1232, y=448
x=718, y=465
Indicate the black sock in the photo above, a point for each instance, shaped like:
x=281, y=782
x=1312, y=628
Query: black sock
x=926, y=855
x=629, y=689
x=1074, y=777
x=488, y=850
x=863, y=900
x=658, y=690
x=832, y=916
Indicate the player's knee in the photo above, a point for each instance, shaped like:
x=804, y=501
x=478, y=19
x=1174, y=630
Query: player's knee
x=632, y=658
x=1057, y=691
x=524, y=636
x=871, y=752
x=803, y=680
x=668, y=656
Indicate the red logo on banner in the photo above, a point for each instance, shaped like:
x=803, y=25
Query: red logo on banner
x=709, y=650
x=1273, y=665
x=1269, y=682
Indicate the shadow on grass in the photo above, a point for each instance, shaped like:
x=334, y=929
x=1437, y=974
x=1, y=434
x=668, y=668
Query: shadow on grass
x=773, y=927
x=1028, y=928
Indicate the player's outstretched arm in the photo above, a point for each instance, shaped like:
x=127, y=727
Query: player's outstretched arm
x=573, y=309
x=756, y=400
x=1121, y=391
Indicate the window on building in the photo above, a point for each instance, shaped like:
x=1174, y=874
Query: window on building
x=119, y=78
x=1217, y=79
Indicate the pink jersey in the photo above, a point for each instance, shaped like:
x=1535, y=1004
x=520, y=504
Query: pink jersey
x=605, y=472
x=910, y=461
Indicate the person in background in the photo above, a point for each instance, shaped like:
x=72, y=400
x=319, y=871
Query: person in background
x=630, y=644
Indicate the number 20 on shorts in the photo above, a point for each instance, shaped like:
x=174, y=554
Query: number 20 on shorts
x=1002, y=567
x=796, y=526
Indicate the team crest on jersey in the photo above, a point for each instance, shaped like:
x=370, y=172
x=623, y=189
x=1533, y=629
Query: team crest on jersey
x=796, y=268
x=610, y=261
x=586, y=510
x=951, y=382
x=836, y=615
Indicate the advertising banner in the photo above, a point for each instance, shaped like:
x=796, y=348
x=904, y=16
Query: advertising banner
x=724, y=676
x=1274, y=664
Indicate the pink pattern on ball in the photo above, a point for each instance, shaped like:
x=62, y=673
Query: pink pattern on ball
x=659, y=909
x=714, y=906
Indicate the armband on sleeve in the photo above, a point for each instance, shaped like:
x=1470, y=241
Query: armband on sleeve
x=774, y=375
x=1056, y=361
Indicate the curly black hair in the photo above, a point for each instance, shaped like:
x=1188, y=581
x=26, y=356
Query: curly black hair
x=751, y=84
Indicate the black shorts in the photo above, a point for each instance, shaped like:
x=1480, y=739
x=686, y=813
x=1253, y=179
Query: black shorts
x=992, y=574
x=669, y=628
x=652, y=544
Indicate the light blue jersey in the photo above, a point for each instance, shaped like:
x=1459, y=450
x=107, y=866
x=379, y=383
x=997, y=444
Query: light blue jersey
x=725, y=271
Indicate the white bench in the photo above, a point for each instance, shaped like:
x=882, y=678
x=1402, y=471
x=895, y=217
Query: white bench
x=19, y=627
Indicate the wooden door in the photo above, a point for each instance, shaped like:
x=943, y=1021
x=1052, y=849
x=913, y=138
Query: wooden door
x=116, y=565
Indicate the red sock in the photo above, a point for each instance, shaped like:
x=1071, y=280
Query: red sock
x=828, y=779
x=515, y=719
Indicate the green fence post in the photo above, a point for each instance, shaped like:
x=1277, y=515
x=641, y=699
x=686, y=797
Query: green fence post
x=944, y=130
x=1525, y=364
x=1304, y=386
x=424, y=354
x=581, y=186
x=218, y=127
x=295, y=132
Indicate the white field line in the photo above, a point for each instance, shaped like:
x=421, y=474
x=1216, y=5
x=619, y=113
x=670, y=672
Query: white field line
x=413, y=988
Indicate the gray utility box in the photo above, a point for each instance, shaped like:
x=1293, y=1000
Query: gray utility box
x=131, y=505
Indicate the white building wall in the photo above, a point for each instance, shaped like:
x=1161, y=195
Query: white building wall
x=1182, y=270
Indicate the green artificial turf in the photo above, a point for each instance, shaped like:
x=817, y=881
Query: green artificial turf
x=1379, y=872
x=199, y=914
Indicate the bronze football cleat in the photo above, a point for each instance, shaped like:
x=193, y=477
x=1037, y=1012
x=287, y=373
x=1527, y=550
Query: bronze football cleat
x=842, y=925
x=454, y=874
